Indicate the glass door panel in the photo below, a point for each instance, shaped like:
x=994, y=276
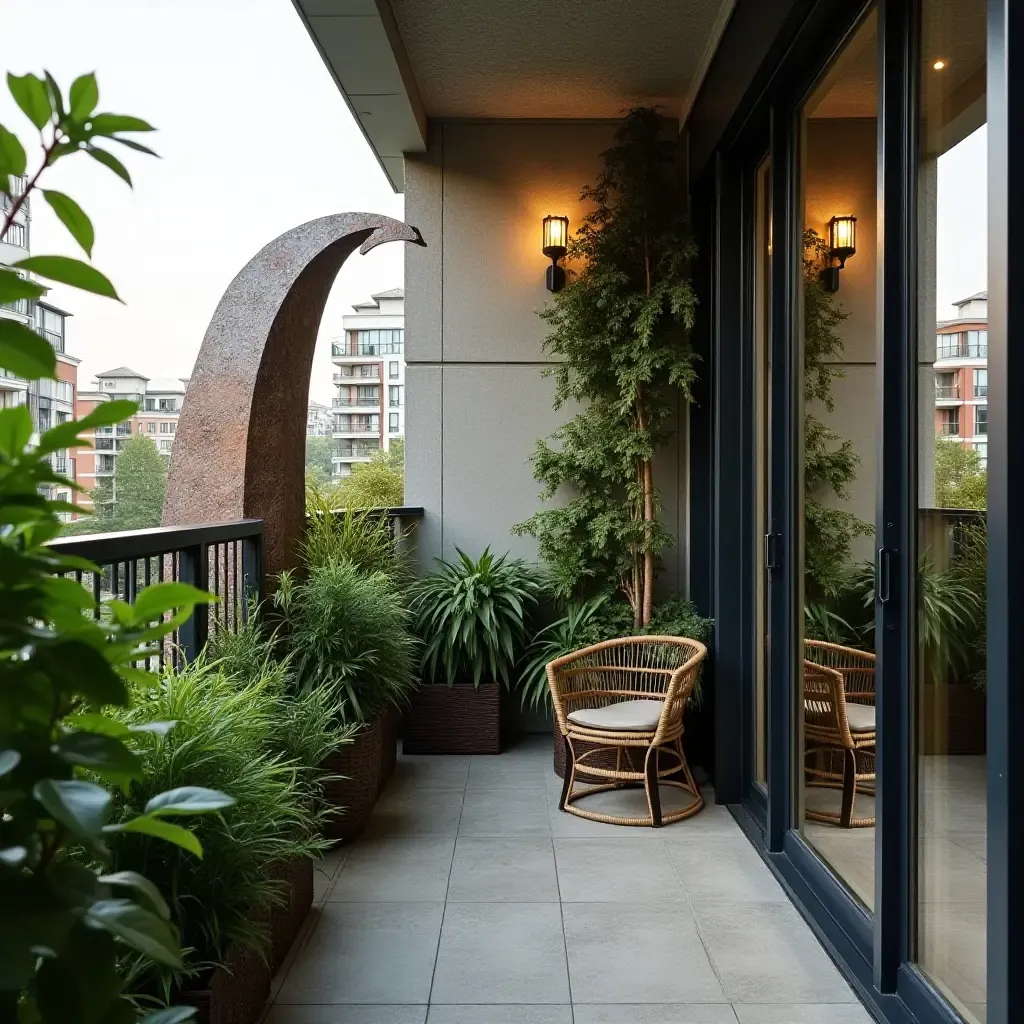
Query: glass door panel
x=837, y=320
x=952, y=445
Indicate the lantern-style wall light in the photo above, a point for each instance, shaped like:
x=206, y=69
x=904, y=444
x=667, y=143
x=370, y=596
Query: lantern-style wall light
x=556, y=240
x=842, y=244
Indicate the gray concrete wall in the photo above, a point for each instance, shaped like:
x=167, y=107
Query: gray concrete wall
x=476, y=399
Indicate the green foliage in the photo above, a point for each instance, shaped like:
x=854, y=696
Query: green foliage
x=363, y=538
x=140, y=483
x=960, y=478
x=472, y=617
x=379, y=483
x=348, y=631
x=225, y=734
x=318, y=457
x=620, y=335
x=64, y=127
x=830, y=463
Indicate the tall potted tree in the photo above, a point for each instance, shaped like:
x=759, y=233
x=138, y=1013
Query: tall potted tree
x=620, y=333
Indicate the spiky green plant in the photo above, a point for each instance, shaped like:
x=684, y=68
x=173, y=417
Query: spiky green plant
x=472, y=617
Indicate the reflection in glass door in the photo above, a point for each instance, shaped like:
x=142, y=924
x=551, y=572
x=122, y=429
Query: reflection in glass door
x=952, y=428
x=836, y=317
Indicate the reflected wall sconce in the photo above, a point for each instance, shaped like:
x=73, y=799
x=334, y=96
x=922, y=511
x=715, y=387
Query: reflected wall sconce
x=556, y=240
x=842, y=244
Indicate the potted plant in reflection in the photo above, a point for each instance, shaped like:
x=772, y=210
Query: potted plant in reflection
x=471, y=617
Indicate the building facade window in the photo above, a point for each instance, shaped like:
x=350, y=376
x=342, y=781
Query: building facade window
x=393, y=423
x=946, y=385
x=981, y=383
x=165, y=446
x=378, y=342
x=981, y=419
x=65, y=391
x=166, y=428
x=947, y=346
x=949, y=422
x=368, y=370
x=393, y=369
x=151, y=427
x=395, y=395
x=977, y=345
x=367, y=394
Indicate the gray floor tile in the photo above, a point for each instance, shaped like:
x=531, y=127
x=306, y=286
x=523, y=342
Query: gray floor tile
x=440, y=771
x=506, y=870
x=367, y=953
x=339, y=1014
x=489, y=773
x=624, y=802
x=501, y=953
x=516, y=812
x=655, y=1013
x=395, y=870
x=616, y=871
x=511, y=1014
x=622, y=953
x=325, y=870
x=417, y=812
x=712, y=867
x=814, y=1013
x=766, y=952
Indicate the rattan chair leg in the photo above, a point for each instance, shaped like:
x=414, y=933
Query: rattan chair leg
x=651, y=786
x=567, y=774
x=849, y=788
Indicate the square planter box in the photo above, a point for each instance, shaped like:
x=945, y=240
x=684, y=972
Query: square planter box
x=286, y=920
x=390, y=728
x=459, y=719
x=233, y=994
x=353, y=794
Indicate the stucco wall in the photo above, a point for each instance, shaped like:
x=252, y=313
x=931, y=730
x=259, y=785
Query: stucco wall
x=476, y=400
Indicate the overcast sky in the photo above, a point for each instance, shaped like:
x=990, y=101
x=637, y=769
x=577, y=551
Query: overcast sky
x=254, y=137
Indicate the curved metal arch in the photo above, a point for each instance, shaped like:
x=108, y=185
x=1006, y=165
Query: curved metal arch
x=240, y=445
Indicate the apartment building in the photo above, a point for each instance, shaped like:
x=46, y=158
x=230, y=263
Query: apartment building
x=319, y=420
x=49, y=401
x=961, y=374
x=159, y=401
x=369, y=377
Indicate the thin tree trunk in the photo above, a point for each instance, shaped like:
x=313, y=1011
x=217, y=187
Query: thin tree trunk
x=648, y=607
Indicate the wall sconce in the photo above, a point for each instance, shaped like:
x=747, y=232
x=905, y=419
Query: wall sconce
x=556, y=240
x=842, y=244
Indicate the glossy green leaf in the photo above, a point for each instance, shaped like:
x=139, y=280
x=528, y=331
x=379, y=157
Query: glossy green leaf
x=25, y=353
x=169, y=1015
x=188, y=800
x=111, y=161
x=159, y=829
x=107, y=124
x=82, y=669
x=12, y=153
x=70, y=271
x=32, y=96
x=143, y=886
x=82, y=984
x=137, y=927
x=14, y=286
x=132, y=144
x=163, y=597
x=55, y=95
x=73, y=217
x=15, y=430
x=98, y=723
x=83, y=97
x=9, y=760
x=94, y=750
x=160, y=729
x=82, y=807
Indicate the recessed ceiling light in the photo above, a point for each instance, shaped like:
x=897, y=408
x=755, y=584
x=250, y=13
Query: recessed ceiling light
x=939, y=65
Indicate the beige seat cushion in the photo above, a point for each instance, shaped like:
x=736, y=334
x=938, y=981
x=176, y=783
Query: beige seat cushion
x=861, y=717
x=624, y=716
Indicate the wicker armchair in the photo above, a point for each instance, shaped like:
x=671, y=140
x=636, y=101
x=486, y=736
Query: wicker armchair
x=839, y=722
x=620, y=697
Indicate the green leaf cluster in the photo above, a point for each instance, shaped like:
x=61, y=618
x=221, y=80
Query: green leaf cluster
x=472, y=617
x=66, y=126
x=620, y=335
x=960, y=477
x=379, y=483
x=65, y=918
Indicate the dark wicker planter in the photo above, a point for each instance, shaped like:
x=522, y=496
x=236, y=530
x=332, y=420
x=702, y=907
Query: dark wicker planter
x=233, y=994
x=354, y=795
x=286, y=920
x=459, y=719
x=952, y=719
x=390, y=726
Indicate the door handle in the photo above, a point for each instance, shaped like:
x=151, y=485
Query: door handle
x=883, y=575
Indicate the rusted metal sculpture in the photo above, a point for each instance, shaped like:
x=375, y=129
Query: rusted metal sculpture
x=240, y=445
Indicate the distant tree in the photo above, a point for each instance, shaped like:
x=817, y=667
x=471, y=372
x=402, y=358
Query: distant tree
x=379, y=483
x=318, y=455
x=395, y=455
x=960, y=479
x=140, y=482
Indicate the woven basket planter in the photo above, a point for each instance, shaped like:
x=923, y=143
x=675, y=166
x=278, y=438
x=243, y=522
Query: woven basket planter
x=353, y=795
x=286, y=920
x=952, y=718
x=459, y=719
x=390, y=727
x=233, y=994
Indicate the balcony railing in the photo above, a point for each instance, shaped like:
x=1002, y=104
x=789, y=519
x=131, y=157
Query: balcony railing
x=356, y=378
x=225, y=559
x=949, y=429
x=104, y=444
x=55, y=338
x=945, y=393
x=354, y=452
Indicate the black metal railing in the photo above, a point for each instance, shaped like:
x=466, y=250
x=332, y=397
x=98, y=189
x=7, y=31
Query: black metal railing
x=225, y=559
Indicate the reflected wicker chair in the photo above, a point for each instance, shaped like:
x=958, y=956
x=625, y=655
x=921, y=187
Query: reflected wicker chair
x=839, y=722
x=627, y=697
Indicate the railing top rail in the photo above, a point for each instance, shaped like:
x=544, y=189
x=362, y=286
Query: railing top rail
x=129, y=544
